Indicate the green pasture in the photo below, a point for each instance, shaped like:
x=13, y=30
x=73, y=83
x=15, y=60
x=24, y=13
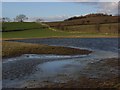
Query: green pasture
x=34, y=33
x=37, y=30
x=8, y=26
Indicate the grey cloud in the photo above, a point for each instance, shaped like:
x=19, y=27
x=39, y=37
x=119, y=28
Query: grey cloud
x=102, y=7
x=108, y=7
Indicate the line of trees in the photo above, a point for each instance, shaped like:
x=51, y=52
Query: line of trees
x=88, y=15
x=19, y=18
x=6, y=19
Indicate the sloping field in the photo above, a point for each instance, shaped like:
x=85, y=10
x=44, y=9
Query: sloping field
x=28, y=30
x=19, y=26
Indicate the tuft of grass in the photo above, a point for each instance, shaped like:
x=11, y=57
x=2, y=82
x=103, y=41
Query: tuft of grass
x=12, y=49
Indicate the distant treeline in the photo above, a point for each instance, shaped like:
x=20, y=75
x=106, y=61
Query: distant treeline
x=87, y=16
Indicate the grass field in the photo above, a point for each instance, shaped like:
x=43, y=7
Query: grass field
x=8, y=26
x=46, y=32
x=34, y=33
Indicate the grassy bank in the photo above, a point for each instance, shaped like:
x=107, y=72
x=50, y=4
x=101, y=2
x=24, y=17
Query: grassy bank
x=11, y=49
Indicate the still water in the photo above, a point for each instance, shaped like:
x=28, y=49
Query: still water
x=106, y=44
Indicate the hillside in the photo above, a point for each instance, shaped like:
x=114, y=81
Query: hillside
x=85, y=21
x=88, y=24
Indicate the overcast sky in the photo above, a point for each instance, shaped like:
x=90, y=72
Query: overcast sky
x=54, y=11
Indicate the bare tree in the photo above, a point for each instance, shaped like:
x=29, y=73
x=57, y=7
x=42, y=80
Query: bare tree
x=21, y=18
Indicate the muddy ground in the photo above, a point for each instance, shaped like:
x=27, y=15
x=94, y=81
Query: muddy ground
x=102, y=74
